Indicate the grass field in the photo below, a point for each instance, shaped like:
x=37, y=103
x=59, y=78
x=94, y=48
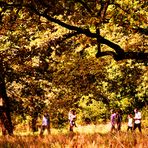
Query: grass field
x=90, y=136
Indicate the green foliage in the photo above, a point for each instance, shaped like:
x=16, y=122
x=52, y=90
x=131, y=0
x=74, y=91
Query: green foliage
x=92, y=109
x=124, y=82
x=49, y=57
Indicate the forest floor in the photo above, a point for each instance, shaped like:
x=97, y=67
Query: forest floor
x=89, y=136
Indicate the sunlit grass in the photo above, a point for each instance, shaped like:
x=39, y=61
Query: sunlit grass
x=89, y=136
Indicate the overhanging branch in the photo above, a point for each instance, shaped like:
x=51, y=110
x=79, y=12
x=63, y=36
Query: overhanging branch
x=84, y=5
x=139, y=56
x=79, y=30
x=119, y=53
x=86, y=32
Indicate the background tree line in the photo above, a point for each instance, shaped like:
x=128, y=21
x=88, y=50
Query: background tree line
x=57, y=55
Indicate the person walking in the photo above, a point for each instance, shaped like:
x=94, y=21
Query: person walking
x=113, y=121
x=72, y=118
x=45, y=124
x=118, y=120
x=137, y=120
x=130, y=122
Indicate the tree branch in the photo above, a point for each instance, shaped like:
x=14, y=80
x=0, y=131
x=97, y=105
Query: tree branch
x=135, y=55
x=141, y=30
x=106, y=53
x=66, y=36
x=103, y=9
x=114, y=46
x=119, y=53
x=84, y=5
x=98, y=40
x=139, y=56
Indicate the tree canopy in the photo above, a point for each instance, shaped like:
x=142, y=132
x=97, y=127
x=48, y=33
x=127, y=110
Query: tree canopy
x=56, y=53
x=87, y=20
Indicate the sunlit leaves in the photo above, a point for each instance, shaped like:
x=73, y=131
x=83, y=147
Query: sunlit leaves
x=54, y=67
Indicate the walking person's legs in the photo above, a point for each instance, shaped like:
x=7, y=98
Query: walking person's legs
x=48, y=129
x=119, y=126
x=139, y=127
x=131, y=128
x=128, y=128
x=113, y=128
x=135, y=126
x=71, y=126
x=42, y=130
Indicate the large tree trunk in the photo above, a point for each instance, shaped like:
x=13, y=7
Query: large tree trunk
x=34, y=122
x=5, y=117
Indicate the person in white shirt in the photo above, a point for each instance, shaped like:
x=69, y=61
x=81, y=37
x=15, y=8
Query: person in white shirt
x=45, y=124
x=137, y=120
x=130, y=122
x=72, y=118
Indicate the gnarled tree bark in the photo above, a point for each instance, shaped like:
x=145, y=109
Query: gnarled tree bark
x=5, y=116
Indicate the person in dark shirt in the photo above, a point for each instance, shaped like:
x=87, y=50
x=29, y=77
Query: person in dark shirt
x=118, y=120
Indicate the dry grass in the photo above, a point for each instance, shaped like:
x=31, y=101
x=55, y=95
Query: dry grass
x=84, y=137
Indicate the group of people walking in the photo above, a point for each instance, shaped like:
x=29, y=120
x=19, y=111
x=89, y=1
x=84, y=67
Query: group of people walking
x=116, y=120
x=46, y=122
x=137, y=121
x=133, y=122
